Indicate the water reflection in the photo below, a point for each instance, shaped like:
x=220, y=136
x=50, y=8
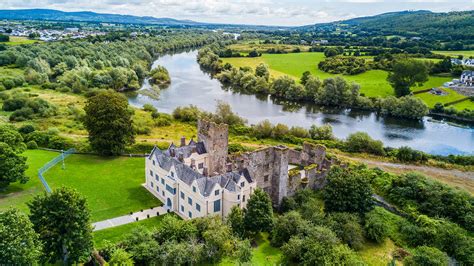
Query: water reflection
x=190, y=85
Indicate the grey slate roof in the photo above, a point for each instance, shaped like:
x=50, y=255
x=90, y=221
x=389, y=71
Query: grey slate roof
x=205, y=184
x=186, y=150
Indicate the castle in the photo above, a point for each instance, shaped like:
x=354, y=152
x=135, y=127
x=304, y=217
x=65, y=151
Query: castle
x=199, y=178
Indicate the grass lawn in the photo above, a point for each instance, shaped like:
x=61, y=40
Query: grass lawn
x=456, y=53
x=112, y=186
x=464, y=105
x=16, y=40
x=373, y=82
x=117, y=234
x=17, y=195
x=378, y=254
x=431, y=99
x=263, y=254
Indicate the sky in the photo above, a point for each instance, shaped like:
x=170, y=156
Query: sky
x=257, y=12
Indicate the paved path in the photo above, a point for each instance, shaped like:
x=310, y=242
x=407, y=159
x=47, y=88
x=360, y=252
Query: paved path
x=130, y=218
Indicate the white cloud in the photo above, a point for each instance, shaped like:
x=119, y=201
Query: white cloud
x=274, y=12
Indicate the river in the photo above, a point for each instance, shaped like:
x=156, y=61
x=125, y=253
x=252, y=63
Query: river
x=190, y=85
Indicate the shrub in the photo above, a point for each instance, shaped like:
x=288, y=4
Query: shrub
x=362, y=142
x=31, y=145
x=375, y=227
x=427, y=256
x=407, y=154
x=323, y=132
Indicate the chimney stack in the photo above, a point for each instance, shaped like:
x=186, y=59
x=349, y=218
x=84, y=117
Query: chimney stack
x=229, y=167
x=183, y=141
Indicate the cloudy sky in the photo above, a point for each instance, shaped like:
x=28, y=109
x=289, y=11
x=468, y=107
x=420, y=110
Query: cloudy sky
x=267, y=12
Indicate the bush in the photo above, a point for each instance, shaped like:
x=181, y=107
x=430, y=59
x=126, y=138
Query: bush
x=26, y=129
x=323, y=132
x=31, y=145
x=362, y=142
x=375, y=227
x=163, y=120
x=407, y=154
x=344, y=65
x=427, y=256
x=187, y=114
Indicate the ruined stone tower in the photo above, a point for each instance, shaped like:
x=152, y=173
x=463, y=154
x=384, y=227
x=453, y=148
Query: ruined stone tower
x=215, y=138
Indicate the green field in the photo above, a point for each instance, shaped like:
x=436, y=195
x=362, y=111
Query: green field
x=15, y=40
x=373, y=82
x=468, y=53
x=431, y=99
x=112, y=186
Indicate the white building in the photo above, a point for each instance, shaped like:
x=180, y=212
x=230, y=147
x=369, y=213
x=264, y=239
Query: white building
x=467, y=78
x=179, y=177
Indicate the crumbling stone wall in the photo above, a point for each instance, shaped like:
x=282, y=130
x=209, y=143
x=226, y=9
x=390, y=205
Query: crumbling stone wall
x=216, y=140
x=269, y=167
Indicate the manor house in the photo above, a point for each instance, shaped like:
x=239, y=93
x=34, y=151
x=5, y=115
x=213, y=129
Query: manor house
x=199, y=178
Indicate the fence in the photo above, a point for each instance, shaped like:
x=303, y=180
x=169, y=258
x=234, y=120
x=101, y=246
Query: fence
x=53, y=162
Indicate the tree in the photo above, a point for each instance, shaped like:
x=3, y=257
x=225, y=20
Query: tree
x=262, y=71
x=10, y=136
x=62, y=220
x=347, y=190
x=375, y=226
x=347, y=228
x=305, y=77
x=12, y=166
x=323, y=132
x=109, y=123
x=235, y=220
x=121, y=257
x=362, y=142
x=427, y=256
x=244, y=251
x=286, y=226
x=19, y=243
x=258, y=213
x=405, y=74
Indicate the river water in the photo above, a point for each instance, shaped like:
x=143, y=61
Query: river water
x=190, y=85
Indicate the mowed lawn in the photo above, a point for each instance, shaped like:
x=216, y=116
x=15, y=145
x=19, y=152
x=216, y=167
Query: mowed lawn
x=112, y=186
x=17, y=195
x=431, y=99
x=373, y=82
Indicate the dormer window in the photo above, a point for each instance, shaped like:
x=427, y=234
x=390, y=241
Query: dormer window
x=153, y=162
x=194, y=189
x=216, y=193
x=242, y=184
x=172, y=174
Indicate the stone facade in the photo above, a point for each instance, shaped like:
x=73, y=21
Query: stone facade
x=215, y=138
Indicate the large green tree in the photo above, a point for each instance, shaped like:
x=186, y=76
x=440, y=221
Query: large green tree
x=347, y=190
x=407, y=73
x=62, y=220
x=258, y=213
x=12, y=166
x=19, y=243
x=109, y=123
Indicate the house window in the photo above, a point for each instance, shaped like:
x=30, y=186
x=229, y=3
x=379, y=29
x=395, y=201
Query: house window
x=201, y=165
x=172, y=174
x=238, y=197
x=190, y=201
x=182, y=208
x=153, y=162
x=157, y=178
x=182, y=195
x=170, y=189
x=243, y=198
x=242, y=184
x=217, y=205
x=198, y=207
x=265, y=178
x=157, y=189
x=163, y=193
x=162, y=181
x=190, y=215
x=216, y=192
x=194, y=189
x=151, y=184
x=151, y=173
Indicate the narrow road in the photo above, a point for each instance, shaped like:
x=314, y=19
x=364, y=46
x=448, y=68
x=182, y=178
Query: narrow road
x=126, y=219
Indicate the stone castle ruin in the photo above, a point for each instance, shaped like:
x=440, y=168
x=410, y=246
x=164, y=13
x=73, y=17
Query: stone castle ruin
x=280, y=171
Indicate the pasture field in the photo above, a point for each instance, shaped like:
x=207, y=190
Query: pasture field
x=467, y=53
x=112, y=185
x=431, y=99
x=16, y=40
x=373, y=82
x=262, y=48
